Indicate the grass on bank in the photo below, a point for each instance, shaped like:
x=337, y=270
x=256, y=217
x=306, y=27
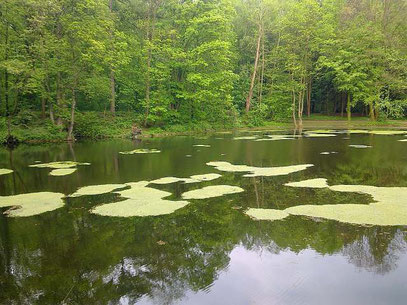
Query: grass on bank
x=29, y=127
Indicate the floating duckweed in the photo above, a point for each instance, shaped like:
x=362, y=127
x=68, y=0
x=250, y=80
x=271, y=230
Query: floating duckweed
x=404, y=140
x=140, y=151
x=140, y=201
x=311, y=183
x=32, y=203
x=357, y=131
x=202, y=145
x=328, y=152
x=192, y=179
x=212, y=191
x=258, y=171
x=266, y=214
x=59, y=164
x=132, y=208
x=389, y=208
x=97, y=189
x=62, y=171
x=361, y=214
x=319, y=135
x=245, y=138
x=388, y=132
x=360, y=146
x=5, y=171
x=206, y=177
x=169, y=180
x=274, y=139
x=323, y=131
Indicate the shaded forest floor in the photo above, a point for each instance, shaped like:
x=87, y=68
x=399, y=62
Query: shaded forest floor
x=32, y=129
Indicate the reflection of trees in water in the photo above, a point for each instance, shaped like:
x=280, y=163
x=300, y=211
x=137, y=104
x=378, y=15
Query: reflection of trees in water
x=376, y=253
x=82, y=259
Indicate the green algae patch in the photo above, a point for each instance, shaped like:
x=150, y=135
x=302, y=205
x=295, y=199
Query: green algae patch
x=97, y=189
x=388, y=132
x=266, y=214
x=310, y=183
x=322, y=131
x=319, y=135
x=245, y=138
x=31, y=204
x=212, y=191
x=140, y=151
x=59, y=164
x=359, y=146
x=135, y=207
x=383, y=195
x=192, y=179
x=258, y=171
x=360, y=214
x=140, y=201
x=206, y=177
x=273, y=139
x=328, y=152
x=5, y=171
x=62, y=171
x=356, y=131
x=202, y=145
x=403, y=140
x=169, y=180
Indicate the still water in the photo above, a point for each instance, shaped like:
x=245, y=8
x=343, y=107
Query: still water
x=208, y=252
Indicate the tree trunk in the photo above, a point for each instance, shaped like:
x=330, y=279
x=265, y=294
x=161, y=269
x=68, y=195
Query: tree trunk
x=43, y=102
x=348, y=108
x=51, y=112
x=112, y=92
x=371, y=111
x=256, y=62
x=6, y=92
x=72, y=122
x=262, y=69
x=112, y=78
x=59, y=99
x=150, y=36
x=342, y=104
x=309, y=96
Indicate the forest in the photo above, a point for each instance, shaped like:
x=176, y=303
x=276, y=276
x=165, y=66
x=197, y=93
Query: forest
x=68, y=64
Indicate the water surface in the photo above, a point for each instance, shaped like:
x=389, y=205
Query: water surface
x=208, y=252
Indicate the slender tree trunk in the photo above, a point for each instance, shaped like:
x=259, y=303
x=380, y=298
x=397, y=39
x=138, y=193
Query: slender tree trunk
x=112, y=92
x=342, y=104
x=256, y=61
x=262, y=69
x=51, y=112
x=309, y=96
x=112, y=78
x=150, y=37
x=348, y=108
x=59, y=98
x=371, y=111
x=72, y=122
x=6, y=84
x=43, y=102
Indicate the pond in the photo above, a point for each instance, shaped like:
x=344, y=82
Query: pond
x=199, y=240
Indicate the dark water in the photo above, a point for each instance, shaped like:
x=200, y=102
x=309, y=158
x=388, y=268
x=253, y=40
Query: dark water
x=213, y=253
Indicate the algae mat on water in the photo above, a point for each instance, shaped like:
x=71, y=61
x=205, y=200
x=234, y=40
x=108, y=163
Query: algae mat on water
x=5, y=171
x=388, y=209
x=192, y=179
x=32, y=203
x=140, y=151
x=59, y=164
x=62, y=171
x=258, y=171
x=97, y=189
x=140, y=201
x=212, y=191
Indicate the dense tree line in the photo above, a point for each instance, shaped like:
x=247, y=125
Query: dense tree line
x=178, y=61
